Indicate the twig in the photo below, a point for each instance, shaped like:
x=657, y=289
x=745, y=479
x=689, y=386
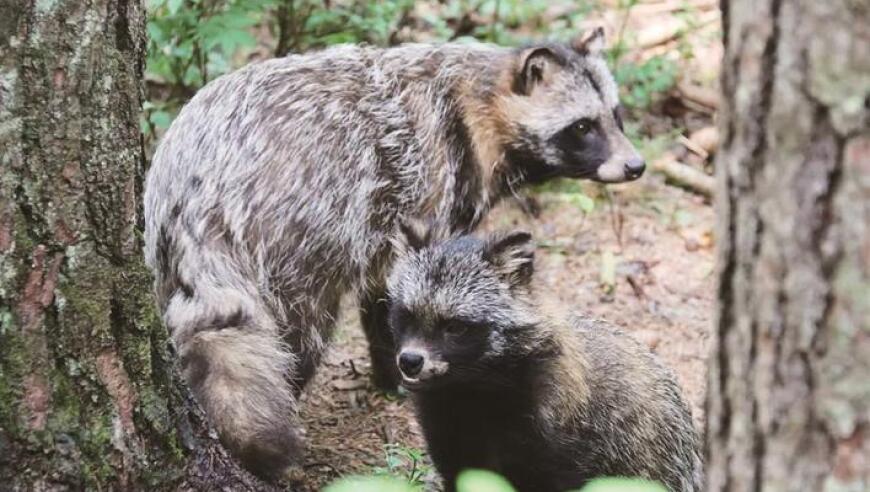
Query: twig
x=285, y=17
x=647, y=9
x=701, y=95
x=689, y=144
x=706, y=138
x=663, y=32
x=616, y=219
x=684, y=175
x=493, y=30
x=636, y=287
x=620, y=46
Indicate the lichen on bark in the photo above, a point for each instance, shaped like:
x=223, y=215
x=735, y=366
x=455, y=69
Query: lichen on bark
x=89, y=394
x=788, y=399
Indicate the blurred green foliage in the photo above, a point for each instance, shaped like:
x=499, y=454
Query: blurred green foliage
x=193, y=41
x=640, y=83
x=483, y=481
x=372, y=484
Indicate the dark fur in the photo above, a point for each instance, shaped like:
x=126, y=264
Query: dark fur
x=549, y=401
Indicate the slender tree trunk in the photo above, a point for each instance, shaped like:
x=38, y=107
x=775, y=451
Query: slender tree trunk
x=789, y=395
x=89, y=396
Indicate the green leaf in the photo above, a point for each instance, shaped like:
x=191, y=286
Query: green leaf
x=482, y=481
x=155, y=32
x=622, y=485
x=370, y=484
x=161, y=119
x=183, y=50
x=192, y=77
x=174, y=6
x=235, y=39
x=144, y=127
x=585, y=202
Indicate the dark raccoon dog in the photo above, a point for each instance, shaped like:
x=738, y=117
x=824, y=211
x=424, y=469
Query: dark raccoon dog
x=549, y=401
x=278, y=188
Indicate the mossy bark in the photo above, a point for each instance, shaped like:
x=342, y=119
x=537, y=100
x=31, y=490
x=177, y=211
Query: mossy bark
x=89, y=394
x=789, y=393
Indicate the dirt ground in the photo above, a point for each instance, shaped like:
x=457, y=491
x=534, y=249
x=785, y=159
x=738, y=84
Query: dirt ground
x=660, y=239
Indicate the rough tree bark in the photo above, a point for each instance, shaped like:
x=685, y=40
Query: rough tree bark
x=789, y=395
x=89, y=397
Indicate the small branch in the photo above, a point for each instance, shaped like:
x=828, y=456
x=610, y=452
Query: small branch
x=617, y=220
x=283, y=17
x=493, y=29
x=708, y=98
x=692, y=146
x=670, y=29
x=706, y=138
x=651, y=9
x=684, y=175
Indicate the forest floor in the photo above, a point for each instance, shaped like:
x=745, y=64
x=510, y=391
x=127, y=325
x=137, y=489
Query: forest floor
x=663, y=295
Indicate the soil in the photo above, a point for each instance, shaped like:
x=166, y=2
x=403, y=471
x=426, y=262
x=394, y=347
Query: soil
x=660, y=240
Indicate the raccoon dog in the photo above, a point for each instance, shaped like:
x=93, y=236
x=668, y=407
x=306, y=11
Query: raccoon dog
x=278, y=189
x=500, y=383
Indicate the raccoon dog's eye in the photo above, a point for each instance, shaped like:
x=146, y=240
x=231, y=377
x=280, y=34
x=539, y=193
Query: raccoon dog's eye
x=582, y=127
x=456, y=329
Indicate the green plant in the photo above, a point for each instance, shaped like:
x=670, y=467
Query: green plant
x=191, y=42
x=350, y=22
x=620, y=484
x=406, y=462
x=505, y=22
x=482, y=481
x=371, y=484
x=640, y=83
x=568, y=190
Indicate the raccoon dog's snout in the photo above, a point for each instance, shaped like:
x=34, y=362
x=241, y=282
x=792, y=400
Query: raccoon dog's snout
x=419, y=366
x=634, y=168
x=411, y=363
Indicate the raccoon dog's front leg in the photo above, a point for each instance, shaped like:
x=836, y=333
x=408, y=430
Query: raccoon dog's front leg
x=238, y=369
x=382, y=351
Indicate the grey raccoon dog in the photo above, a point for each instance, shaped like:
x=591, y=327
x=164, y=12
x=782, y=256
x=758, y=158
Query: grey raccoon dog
x=278, y=188
x=548, y=400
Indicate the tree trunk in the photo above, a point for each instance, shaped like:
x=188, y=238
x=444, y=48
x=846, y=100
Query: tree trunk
x=789, y=393
x=89, y=396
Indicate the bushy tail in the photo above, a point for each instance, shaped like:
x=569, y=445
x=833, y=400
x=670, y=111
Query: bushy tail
x=239, y=370
x=240, y=379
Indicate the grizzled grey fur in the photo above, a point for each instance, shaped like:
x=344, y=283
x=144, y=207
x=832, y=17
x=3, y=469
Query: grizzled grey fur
x=278, y=189
x=548, y=399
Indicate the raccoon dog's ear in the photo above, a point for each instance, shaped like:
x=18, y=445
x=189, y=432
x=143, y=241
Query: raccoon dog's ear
x=591, y=42
x=413, y=235
x=535, y=66
x=513, y=256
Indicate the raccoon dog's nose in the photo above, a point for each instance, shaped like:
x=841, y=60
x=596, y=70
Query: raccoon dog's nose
x=634, y=168
x=410, y=363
